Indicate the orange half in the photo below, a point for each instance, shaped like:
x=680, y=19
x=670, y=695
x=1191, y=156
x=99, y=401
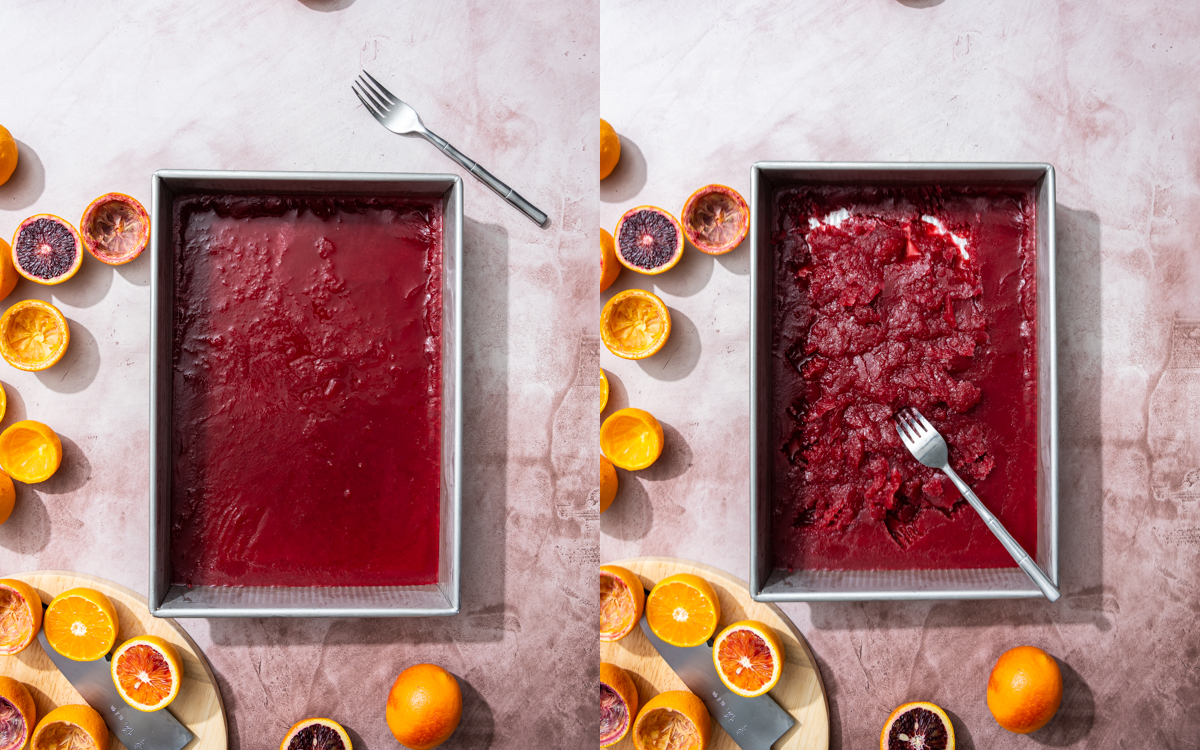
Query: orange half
x=81, y=624
x=18, y=714
x=603, y=392
x=20, y=615
x=635, y=324
x=147, y=672
x=749, y=658
x=618, y=703
x=631, y=438
x=922, y=724
x=33, y=335
x=622, y=600
x=608, y=484
x=715, y=219
x=673, y=720
x=314, y=734
x=30, y=451
x=72, y=727
x=683, y=610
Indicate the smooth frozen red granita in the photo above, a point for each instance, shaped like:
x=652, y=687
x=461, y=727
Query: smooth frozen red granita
x=887, y=298
x=307, y=391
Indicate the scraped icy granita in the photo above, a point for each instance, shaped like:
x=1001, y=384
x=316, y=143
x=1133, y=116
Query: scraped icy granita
x=887, y=298
x=307, y=396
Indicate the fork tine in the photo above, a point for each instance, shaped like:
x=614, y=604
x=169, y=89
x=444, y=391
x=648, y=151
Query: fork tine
x=921, y=418
x=369, y=106
x=379, y=87
x=912, y=429
x=366, y=91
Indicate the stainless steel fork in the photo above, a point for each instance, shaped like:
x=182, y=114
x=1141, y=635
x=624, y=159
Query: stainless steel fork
x=402, y=119
x=929, y=447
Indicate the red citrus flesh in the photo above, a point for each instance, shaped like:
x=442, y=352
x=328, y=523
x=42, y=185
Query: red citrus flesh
x=13, y=730
x=115, y=228
x=614, y=714
x=649, y=240
x=47, y=249
x=746, y=660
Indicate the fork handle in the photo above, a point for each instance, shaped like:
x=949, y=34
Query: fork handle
x=1016, y=550
x=486, y=177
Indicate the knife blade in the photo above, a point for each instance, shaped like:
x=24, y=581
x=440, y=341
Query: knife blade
x=136, y=730
x=753, y=723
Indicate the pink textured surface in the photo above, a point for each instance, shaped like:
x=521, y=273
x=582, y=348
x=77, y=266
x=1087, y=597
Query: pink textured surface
x=1105, y=92
x=97, y=103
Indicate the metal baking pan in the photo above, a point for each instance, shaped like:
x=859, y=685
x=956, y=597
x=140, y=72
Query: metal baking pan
x=168, y=600
x=774, y=585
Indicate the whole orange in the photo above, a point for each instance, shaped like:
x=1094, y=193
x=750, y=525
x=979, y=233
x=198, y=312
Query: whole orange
x=424, y=706
x=1025, y=689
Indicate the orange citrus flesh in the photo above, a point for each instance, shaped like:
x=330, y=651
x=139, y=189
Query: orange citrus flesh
x=603, y=393
x=316, y=734
x=1024, y=689
x=8, y=497
x=631, y=438
x=610, y=268
x=424, y=706
x=635, y=324
x=673, y=720
x=71, y=727
x=683, y=610
x=81, y=624
x=20, y=615
x=716, y=219
x=608, y=484
x=18, y=714
x=8, y=154
x=748, y=658
x=622, y=600
x=3, y=401
x=610, y=149
x=9, y=276
x=33, y=335
x=30, y=452
x=147, y=672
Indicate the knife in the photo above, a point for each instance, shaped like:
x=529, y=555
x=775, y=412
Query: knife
x=137, y=730
x=753, y=723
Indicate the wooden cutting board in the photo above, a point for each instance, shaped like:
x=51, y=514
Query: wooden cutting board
x=198, y=705
x=800, y=691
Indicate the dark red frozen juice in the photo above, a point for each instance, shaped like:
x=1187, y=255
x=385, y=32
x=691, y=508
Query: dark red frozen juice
x=307, y=391
x=902, y=297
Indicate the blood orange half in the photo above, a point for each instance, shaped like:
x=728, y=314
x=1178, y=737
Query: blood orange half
x=20, y=615
x=147, y=672
x=618, y=703
x=115, y=228
x=649, y=240
x=716, y=219
x=47, y=249
x=622, y=599
x=748, y=657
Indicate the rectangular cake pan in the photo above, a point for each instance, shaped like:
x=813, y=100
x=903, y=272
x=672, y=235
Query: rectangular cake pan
x=167, y=600
x=774, y=585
